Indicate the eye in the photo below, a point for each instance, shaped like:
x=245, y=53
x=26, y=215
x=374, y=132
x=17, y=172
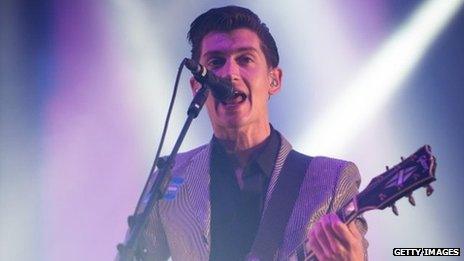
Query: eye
x=245, y=59
x=215, y=62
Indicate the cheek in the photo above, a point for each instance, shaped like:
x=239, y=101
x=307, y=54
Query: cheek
x=262, y=92
x=210, y=104
x=260, y=101
x=258, y=82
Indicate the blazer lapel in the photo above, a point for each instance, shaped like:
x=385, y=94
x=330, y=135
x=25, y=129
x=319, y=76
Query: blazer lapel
x=285, y=148
x=197, y=187
x=197, y=182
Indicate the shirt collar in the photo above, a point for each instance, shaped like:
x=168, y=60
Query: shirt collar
x=266, y=156
x=263, y=157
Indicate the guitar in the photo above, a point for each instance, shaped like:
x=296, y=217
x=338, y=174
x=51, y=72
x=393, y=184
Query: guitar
x=418, y=170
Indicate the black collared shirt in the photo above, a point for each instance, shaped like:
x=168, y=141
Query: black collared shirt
x=236, y=212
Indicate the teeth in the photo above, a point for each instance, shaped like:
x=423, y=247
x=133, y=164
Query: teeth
x=237, y=98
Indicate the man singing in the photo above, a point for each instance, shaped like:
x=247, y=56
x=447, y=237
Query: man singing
x=232, y=188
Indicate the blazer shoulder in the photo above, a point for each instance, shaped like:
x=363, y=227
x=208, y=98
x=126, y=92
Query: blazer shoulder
x=339, y=173
x=334, y=166
x=184, y=158
x=187, y=155
x=332, y=161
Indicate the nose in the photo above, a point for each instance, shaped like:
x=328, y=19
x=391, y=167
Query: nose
x=230, y=70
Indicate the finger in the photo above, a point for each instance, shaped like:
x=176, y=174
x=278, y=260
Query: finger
x=356, y=245
x=319, y=236
x=332, y=237
x=334, y=221
x=342, y=231
x=354, y=229
x=316, y=247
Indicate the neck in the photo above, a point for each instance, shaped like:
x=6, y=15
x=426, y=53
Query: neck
x=242, y=141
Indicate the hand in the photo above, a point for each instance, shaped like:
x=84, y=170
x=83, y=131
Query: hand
x=330, y=239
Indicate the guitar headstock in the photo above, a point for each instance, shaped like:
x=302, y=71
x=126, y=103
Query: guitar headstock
x=417, y=170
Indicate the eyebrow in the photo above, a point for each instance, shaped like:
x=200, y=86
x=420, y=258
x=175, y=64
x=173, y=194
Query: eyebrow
x=238, y=50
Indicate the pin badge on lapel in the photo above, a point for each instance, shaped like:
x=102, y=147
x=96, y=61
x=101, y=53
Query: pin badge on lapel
x=173, y=188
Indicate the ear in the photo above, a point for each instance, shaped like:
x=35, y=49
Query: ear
x=194, y=85
x=275, y=83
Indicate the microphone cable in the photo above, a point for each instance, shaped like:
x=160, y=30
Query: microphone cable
x=165, y=129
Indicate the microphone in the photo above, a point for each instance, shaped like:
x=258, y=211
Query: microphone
x=221, y=88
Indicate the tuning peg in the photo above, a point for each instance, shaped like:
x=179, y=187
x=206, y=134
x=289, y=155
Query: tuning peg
x=429, y=190
x=411, y=200
x=402, y=158
x=387, y=167
x=395, y=210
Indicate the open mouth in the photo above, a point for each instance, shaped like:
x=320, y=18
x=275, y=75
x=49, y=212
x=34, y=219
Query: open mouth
x=237, y=98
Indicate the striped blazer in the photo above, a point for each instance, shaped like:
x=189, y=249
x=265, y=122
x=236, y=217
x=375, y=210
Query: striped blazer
x=179, y=226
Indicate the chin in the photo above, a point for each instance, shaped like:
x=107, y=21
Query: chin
x=234, y=123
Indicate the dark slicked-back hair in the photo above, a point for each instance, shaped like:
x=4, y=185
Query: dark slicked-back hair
x=226, y=19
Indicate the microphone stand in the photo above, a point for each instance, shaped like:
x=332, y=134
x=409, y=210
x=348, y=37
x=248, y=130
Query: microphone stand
x=130, y=250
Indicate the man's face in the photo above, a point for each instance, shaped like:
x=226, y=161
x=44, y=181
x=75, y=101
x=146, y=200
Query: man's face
x=237, y=55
